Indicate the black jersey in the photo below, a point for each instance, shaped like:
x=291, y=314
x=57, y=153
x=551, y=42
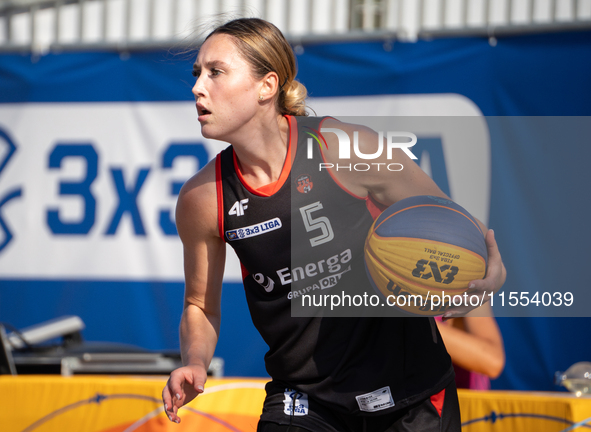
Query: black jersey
x=307, y=237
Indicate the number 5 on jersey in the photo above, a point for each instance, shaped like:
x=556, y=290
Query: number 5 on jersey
x=319, y=223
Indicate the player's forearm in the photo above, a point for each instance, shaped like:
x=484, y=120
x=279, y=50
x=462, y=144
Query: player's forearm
x=473, y=352
x=199, y=332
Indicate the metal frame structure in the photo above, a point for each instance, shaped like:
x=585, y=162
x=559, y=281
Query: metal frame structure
x=347, y=20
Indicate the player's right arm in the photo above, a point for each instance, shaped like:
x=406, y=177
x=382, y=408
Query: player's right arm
x=204, y=258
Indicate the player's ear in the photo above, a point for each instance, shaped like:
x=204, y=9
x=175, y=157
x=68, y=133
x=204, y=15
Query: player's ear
x=269, y=85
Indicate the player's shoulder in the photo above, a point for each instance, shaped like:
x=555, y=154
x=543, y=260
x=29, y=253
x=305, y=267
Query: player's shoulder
x=363, y=136
x=348, y=128
x=197, y=202
x=333, y=122
x=203, y=181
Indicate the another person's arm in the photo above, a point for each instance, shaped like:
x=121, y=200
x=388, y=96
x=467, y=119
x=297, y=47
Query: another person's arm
x=475, y=342
x=204, y=259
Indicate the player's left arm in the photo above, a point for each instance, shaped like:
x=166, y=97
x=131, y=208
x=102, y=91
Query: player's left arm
x=382, y=184
x=388, y=187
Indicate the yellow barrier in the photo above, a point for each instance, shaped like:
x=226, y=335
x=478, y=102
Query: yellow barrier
x=505, y=411
x=124, y=404
x=117, y=404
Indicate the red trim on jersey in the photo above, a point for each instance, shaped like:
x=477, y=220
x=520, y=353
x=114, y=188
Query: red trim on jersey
x=269, y=189
x=293, y=138
x=220, y=194
x=244, y=271
x=437, y=401
x=375, y=207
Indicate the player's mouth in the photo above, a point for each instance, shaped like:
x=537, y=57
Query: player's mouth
x=202, y=112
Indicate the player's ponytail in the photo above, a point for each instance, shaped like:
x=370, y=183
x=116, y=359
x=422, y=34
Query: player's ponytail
x=292, y=99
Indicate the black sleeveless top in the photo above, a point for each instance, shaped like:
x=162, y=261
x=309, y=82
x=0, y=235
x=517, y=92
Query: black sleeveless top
x=307, y=238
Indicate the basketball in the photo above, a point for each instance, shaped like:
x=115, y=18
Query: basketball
x=422, y=251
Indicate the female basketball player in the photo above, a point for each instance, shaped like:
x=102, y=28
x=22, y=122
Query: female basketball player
x=328, y=374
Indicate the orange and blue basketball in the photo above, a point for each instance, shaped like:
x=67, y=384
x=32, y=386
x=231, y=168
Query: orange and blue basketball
x=422, y=251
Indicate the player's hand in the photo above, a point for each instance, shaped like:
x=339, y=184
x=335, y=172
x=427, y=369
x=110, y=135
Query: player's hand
x=183, y=386
x=494, y=280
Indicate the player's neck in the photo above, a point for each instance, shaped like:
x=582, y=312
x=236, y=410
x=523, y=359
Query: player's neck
x=261, y=155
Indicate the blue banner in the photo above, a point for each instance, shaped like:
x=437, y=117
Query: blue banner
x=94, y=146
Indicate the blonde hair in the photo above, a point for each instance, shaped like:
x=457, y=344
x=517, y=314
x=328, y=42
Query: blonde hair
x=265, y=48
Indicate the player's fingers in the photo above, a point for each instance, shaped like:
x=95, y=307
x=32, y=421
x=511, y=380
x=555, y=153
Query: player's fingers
x=495, y=273
x=492, y=249
x=173, y=417
x=172, y=414
x=494, y=279
x=176, y=382
x=491, y=245
x=496, y=269
x=199, y=379
x=177, y=400
x=167, y=400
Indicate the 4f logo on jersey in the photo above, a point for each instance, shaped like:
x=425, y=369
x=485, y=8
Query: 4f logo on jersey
x=239, y=207
x=444, y=274
x=304, y=183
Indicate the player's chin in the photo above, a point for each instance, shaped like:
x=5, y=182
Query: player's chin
x=207, y=131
